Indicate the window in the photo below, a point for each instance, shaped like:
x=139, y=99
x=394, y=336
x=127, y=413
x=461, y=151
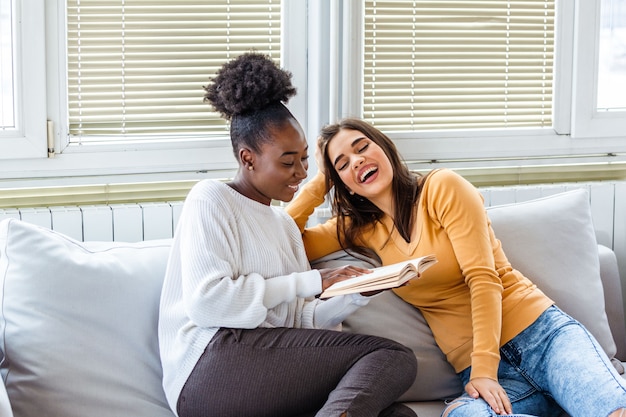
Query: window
x=22, y=82
x=119, y=109
x=520, y=98
x=106, y=103
x=612, y=56
x=599, y=71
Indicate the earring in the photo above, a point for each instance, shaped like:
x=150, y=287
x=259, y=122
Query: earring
x=351, y=192
x=250, y=167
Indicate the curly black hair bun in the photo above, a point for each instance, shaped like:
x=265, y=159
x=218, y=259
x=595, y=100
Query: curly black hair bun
x=248, y=83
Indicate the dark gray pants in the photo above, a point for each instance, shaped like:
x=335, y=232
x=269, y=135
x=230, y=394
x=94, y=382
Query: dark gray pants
x=296, y=372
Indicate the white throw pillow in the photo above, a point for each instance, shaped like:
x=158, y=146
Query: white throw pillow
x=387, y=315
x=78, y=324
x=551, y=240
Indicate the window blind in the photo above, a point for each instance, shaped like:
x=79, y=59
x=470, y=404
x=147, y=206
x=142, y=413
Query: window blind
x=433, y=65
x=136, y=68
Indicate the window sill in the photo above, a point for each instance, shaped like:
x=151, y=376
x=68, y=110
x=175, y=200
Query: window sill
x=176, y=190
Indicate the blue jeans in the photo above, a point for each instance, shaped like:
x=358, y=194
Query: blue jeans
x=554, y=365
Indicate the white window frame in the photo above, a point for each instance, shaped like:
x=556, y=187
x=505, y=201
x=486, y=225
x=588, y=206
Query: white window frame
x=28, y=140
x=326, y=76
x=587, y=122
x=575, y=137
x=128, y=162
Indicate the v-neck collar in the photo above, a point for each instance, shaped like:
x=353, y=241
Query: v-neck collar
x=405, y=248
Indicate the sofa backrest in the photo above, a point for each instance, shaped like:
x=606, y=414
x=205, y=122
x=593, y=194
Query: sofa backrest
x=78, y=324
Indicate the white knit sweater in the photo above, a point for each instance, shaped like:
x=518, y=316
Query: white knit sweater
x=235, y=263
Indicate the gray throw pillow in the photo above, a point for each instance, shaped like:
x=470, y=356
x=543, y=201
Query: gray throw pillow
x=387, y=315
x=551, y=240
x=78, y=324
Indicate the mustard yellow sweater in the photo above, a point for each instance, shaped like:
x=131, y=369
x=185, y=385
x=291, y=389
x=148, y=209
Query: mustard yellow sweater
x=472, y=299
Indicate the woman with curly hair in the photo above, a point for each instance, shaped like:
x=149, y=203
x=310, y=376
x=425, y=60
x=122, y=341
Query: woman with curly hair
x=241, y=331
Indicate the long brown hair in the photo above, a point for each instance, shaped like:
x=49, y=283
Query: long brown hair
x=356, y=213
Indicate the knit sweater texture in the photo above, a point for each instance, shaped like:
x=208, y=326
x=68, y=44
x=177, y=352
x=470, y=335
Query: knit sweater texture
x=235, y=263
x=472, y=299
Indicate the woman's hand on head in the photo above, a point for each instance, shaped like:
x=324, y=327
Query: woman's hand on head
x=492, y=392
x=319, y=157
x=321, y=166
x=333, y=275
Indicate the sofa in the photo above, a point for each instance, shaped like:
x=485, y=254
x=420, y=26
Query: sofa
x=78, y=320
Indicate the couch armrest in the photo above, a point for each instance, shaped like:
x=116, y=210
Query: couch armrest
x=614, y=304
x=5, y=405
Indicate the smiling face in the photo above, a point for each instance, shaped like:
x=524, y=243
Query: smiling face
x=279, y=167
x=362, y=165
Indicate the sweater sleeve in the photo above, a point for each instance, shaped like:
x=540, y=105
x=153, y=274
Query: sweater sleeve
x=321, y=239
x=314, y=313
x=219, y=269
x=459, y=208
x=212, y=295
x=299, y=284
x=331, y=312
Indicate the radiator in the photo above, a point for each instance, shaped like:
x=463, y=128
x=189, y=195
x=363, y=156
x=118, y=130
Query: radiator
x=157, y=220
x=114, y=222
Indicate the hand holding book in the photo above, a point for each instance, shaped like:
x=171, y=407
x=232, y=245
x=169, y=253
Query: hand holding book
x=381, y=278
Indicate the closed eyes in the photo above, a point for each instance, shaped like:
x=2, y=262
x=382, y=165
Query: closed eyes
x=344, y=161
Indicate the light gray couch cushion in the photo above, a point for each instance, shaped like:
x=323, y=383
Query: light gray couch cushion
x=402, y=322
x=387, y=315
x=612, y=284
x=78, y=324
x=551, y=240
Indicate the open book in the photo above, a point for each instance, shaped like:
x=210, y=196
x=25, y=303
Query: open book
x=381, y=278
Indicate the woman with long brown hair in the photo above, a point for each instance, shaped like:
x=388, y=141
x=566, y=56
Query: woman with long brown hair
x=515, y=352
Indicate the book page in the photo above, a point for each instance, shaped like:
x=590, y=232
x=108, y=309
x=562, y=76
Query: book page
x=388, y=276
